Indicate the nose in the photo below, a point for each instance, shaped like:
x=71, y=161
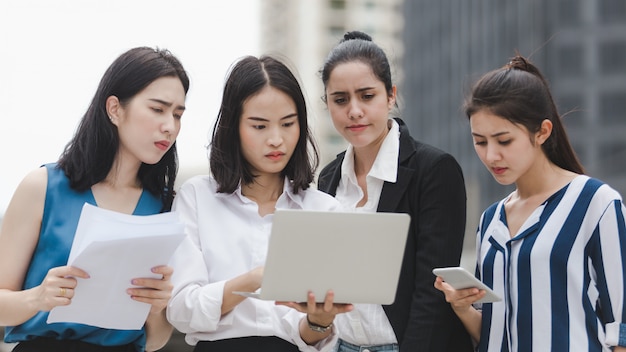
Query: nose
x=275, y=137
x=355, y=111
x=171, y=125
x=493, y=152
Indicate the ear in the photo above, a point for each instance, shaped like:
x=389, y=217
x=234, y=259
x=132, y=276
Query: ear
x=545, y=130
x=113, y=108
x=391, y=99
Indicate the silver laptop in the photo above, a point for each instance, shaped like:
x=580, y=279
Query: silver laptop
x=357, y=255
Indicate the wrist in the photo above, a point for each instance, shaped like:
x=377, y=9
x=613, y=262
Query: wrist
x=317, y=327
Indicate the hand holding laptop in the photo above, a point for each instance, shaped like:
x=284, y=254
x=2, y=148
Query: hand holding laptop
x=320, y=316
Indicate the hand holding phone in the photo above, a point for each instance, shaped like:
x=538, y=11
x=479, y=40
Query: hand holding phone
x=459, y=278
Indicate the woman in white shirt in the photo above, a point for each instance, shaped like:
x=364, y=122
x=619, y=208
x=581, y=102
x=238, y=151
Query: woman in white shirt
x=385, y=170
x=259, y=162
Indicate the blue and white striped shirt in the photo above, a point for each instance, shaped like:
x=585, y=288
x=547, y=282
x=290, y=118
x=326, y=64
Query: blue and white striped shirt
x=562, y=275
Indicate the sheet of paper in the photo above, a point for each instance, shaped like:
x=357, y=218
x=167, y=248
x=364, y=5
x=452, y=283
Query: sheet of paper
x=115, y=248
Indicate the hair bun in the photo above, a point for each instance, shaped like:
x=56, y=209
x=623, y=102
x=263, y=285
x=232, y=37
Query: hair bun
x=519, y=62
x=356, y=35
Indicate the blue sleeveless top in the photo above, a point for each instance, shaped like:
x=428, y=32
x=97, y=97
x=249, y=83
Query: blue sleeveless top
x=61, y=212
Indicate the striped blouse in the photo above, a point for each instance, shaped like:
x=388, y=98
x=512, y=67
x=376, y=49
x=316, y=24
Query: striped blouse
x=562, y=275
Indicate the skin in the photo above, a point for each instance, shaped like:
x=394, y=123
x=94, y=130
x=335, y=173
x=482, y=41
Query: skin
x=269, y=131
x=512, y=155
x=359, y=107
x=145, y=124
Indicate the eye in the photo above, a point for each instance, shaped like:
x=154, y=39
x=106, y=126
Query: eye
x=258, y=127
x=368, y=96
x=157, y=110
x=481, y=143
x=178, y=116
x=339, y=101
x=507, y=142
x=289, y=124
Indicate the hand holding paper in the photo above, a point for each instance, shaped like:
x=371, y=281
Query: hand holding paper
x=114, y=249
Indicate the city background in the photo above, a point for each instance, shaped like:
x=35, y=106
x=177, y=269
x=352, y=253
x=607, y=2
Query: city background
x=437, y=49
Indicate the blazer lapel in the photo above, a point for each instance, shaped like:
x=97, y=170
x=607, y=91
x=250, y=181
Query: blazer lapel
x=393, y=192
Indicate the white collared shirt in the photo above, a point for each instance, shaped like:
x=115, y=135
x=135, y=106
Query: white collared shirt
x=227, y=237
x=367, y=324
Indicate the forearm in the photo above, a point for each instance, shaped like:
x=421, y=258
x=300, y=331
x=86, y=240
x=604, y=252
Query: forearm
x=158, y=331
x=16, y=307
x=247, y=282
x=472, y=320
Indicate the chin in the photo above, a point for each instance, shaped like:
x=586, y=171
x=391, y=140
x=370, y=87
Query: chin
x=503, y=180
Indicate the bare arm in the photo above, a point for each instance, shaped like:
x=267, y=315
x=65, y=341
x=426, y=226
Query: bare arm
x=18, y=238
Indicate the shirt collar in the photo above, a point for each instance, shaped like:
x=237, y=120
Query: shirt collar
x=284, y=201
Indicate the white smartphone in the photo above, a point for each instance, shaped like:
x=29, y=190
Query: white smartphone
x=459, y=278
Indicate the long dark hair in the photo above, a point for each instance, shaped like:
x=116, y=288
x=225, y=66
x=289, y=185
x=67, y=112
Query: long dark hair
x=519, y=93
x=89, y=156
x=246, y=78
x=358, y=46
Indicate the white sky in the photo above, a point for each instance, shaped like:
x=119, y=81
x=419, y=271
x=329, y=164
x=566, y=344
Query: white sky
x=54, y=52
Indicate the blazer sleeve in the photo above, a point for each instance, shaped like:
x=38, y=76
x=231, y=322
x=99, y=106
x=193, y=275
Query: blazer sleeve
x=438, y=207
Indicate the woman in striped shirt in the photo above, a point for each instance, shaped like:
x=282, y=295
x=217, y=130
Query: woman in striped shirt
x=555, y=248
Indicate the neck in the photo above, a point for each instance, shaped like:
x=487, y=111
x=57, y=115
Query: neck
x=544, y=178
x=122, y=175
x=264, y=189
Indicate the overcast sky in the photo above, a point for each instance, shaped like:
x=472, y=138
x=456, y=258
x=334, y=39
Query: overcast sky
x=54, y=52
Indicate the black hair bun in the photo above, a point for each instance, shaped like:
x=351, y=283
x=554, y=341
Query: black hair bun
x=356, y=35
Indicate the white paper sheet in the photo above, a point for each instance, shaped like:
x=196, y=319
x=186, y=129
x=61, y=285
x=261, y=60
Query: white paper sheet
x=114, y=248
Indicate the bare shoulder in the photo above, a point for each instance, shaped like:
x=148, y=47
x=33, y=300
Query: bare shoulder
x=33, y=186
x=28, y=199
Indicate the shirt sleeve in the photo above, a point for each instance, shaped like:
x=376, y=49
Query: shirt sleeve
x=611, y=232
x=196, y=304
x=291, y=324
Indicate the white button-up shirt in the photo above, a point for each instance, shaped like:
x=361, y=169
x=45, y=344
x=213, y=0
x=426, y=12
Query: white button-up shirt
x=226, y=238
x=367, y=324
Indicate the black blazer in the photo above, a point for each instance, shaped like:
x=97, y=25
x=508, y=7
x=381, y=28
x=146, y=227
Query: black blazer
x=430, y=187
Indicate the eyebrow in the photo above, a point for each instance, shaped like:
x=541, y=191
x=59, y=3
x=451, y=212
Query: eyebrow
x=360, y=90
x=255, y=118
x=493, y=135
x=168, y=104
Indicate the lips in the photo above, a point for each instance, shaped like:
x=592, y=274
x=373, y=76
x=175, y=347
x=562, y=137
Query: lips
x=163, y=145
x=275, y=155
x=498, y=170
x=356, y=128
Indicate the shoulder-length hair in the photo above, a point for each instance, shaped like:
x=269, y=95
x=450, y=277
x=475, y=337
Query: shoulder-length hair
x=246, y=78
x=88, y=157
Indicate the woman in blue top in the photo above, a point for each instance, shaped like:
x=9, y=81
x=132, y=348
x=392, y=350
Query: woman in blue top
x=554, y=249
x=122, y=158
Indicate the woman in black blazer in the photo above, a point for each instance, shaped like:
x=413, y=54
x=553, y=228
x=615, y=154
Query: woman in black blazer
x=385, y=170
